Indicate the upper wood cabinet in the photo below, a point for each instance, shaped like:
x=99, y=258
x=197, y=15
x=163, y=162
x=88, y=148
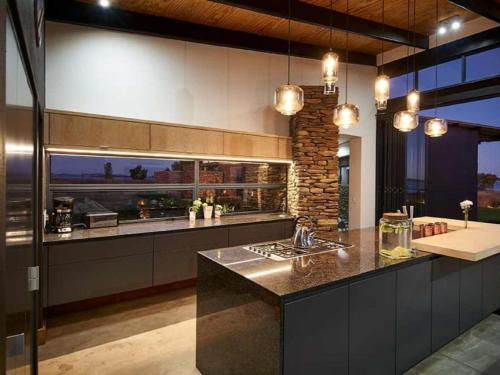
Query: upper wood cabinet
x=73, y=130
x=250, y=145
x=183, y=139
x=90, y=131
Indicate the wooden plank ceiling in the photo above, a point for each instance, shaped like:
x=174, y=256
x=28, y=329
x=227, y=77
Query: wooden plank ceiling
x=209, y=13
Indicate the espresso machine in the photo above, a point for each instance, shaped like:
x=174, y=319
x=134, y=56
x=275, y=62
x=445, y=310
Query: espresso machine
x=62, y=216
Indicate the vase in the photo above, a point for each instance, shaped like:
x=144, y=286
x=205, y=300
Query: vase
x=466, y=219
x=192, y=215
x=207, y=212
x=218, y=213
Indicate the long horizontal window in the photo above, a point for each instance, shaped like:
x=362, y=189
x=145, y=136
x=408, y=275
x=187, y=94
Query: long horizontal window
x=149, y=188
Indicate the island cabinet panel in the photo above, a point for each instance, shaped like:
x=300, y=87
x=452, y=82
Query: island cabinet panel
x=372, y=328
x=491, y=285
x=184, y=139
x=73, y=130
x=96, y=278
x=471, y=284
x=254, y=233
x=175, y=253
x=445, y=300
x=413, y=323
x=316, y=334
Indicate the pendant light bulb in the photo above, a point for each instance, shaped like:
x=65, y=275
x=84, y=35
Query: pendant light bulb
x=288, y=99
x=346, y=115
x=413, y=101
x=330, y=72
x=405, y=121
x=436, y=127
x=382, y=87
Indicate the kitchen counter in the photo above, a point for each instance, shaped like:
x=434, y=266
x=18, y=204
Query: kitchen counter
x=160, y=226
x=288, y=277
x=477, y=242
x=342, y=312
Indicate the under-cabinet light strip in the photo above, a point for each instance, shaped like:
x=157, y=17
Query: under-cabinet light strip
x=82, y=151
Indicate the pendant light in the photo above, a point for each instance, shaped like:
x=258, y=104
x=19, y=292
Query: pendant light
x=330, y=63
x=406, y=121
x=289, y=99
x=413, y=97
x=346, y=115
x=382, y=83
x=436, y=127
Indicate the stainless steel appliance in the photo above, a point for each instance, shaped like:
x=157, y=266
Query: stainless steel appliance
x=284, y=250
x=62, y=220
x=100, y=219
x=303, y=236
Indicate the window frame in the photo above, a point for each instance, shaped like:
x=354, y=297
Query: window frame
x=195, y=187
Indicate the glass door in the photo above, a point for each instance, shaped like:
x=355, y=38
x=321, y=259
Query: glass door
x=20, y=187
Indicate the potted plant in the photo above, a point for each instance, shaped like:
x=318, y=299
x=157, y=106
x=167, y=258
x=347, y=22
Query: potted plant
x=207, y=210
x=194, y=209
x=218, y=210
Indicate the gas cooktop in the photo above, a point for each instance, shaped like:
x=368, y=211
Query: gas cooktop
x=283, y=250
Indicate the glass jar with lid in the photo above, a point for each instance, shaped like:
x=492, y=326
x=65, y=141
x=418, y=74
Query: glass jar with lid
x=395, y=232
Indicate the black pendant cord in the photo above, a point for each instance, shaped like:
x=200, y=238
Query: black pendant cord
x=383, y=34
x=346, y=51
x=414, y=48
x=331, y=25
x=408, y=50
x=289, y=33
x=437, y=59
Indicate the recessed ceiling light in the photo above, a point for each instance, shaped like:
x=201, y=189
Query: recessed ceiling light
x=104, y=3
x=455, y=25
x=441, y=30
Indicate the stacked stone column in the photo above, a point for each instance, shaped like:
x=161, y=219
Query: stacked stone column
x=313, y=188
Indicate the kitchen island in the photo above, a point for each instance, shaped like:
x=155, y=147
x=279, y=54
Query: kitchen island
x=341, y=312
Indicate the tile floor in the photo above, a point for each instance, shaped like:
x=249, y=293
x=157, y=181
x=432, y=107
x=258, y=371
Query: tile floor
x=156, y=335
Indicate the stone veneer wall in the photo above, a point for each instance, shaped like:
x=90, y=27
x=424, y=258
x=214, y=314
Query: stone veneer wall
x=313, y=188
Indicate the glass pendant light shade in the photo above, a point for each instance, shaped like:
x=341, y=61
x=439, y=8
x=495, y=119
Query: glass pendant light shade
x=330, y=72
x=436, y=127
x=288, y=99
x=346, y=115
x=405, y=121
x=413, y=101
x=381, y=91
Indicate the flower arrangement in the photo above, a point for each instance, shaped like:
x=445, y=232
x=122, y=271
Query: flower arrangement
x=466, y=206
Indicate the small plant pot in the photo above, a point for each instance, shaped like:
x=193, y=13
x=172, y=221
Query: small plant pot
x=218, y=213
x=192, y=215
x=208, y=211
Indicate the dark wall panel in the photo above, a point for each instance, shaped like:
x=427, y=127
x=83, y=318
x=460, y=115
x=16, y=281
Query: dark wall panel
x=452, y=172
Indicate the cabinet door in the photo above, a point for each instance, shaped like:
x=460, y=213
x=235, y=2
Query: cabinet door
x=183, y=139
x=445, y=300
x=83, y=280
x=491, y=285
x=73, y=130
x=238, y=144
x=175, y=253
x=315, y=334
x=253, y=233
x=413, y=338
x=372, y=328
x=471, y=283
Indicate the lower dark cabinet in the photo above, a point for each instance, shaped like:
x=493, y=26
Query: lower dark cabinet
x=471, y=284
x=413, y=322
x=315, y=334
x=175, y=253
x=445, y=300
x=372, y=328
x=261, y=232
x=83, y=280
x=491, y=284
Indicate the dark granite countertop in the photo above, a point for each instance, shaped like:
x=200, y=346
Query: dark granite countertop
x=290, y=277
x=160, y=226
